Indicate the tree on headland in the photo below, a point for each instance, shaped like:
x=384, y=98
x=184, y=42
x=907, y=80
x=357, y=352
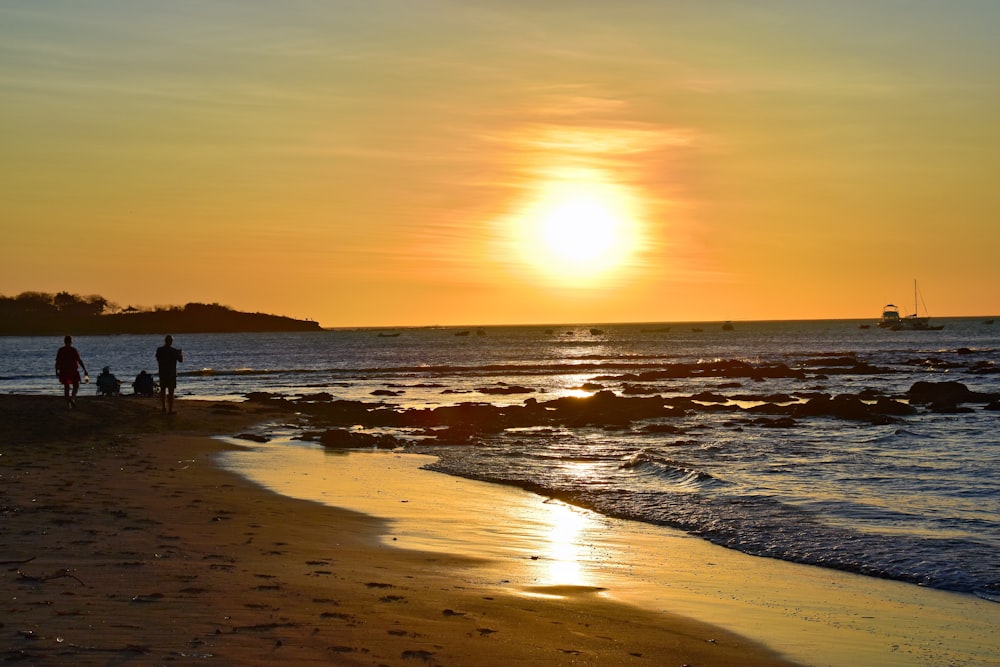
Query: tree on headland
x=41, y=314
x=72, y=304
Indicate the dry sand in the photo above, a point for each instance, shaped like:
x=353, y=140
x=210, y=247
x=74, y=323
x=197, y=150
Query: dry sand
x=124, y=544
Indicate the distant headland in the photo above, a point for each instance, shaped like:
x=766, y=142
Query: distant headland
x=41, y=314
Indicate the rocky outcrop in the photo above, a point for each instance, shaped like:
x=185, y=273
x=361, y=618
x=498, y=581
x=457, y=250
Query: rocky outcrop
x=339, y=438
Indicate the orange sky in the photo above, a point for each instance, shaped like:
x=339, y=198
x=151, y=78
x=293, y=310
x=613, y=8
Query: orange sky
x=416, y=162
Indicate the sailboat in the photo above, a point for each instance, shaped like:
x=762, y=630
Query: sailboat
x=891, y=318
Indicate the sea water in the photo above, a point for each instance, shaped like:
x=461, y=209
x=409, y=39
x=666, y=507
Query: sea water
x=917, y=499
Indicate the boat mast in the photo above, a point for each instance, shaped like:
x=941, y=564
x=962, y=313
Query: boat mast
x=916, y=310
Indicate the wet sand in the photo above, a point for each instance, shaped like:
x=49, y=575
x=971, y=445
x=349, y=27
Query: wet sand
x=125, y=543
x=532, y=546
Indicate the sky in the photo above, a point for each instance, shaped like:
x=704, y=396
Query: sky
x=442, y=162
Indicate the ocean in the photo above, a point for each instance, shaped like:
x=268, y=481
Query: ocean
x=734, y=458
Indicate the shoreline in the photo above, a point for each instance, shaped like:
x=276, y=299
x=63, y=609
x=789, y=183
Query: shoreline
x=125, y=542
x=537, y=546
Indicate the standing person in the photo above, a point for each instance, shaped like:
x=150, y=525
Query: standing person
x=167, y=357
x=67, y=360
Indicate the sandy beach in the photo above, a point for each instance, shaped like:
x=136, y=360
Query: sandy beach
x=124, y=543
x=131, y=537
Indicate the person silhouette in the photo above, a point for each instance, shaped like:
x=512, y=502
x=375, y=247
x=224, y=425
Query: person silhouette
x=107, y=383
x=144, y=384
x=67, y=361
x=167, y=357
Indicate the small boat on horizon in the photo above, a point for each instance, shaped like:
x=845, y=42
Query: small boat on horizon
x=892, y=320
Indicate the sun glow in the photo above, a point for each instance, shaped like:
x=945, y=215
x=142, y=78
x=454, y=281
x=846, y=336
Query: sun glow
x=578, y=228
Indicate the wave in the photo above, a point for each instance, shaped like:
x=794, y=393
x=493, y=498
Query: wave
x=764, y=526
x=681, y=475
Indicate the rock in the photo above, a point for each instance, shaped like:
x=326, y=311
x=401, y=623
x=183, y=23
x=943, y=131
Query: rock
x=319, y=397
x=456, y=435
x=844, y=406
x=505, y=389
x=263, y=397
x=632, y=389
x=940, y=392
x=709, y=397
x=339, y=438
x=254, y=437
x=887, y=406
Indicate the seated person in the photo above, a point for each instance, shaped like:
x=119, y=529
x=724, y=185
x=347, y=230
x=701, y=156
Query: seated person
x=107, y=383
x=144, y=384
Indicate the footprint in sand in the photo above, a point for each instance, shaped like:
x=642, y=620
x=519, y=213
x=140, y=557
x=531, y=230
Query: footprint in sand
x=417, y=655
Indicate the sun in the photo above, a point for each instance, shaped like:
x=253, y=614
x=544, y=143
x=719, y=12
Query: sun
x=578, y=231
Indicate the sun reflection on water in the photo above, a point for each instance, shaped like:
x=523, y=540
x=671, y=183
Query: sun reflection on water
x=564, y=559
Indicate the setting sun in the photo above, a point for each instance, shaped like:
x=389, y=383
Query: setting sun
x=578, y=230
